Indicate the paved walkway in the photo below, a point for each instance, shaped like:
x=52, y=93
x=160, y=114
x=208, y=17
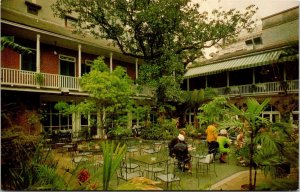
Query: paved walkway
x=233, y=182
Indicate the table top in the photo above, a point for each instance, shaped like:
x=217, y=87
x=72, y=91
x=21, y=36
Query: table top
x=67, y=146
x=149, y=159
x=199, y=156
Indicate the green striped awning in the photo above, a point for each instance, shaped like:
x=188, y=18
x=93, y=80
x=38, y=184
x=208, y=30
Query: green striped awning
x=247, y=61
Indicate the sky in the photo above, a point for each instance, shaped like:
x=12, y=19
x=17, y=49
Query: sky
x=265, y=7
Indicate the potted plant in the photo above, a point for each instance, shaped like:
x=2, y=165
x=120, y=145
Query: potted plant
x=253, y=88
x=227, y=90
x=266, y=142
x=39, y=78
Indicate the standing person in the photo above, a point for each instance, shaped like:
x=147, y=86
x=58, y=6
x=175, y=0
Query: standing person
x=134, y=130
x=240, y=140
x=211, y=138
x=224, y=142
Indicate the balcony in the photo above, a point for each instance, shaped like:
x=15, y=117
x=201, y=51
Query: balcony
x=28, y=79
x=261, y=88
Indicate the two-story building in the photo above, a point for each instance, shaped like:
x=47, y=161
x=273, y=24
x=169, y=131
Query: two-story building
x=51, y=73
x=263, y=64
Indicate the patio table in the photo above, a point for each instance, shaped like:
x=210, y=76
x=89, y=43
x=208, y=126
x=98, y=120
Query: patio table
x=68, y=147
x=150, y=161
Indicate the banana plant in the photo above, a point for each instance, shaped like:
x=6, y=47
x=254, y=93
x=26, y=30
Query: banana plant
x=251, y=116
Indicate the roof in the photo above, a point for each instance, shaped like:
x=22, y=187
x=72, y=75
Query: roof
x=239, y=62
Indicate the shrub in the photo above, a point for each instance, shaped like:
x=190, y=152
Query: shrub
x=163, y=131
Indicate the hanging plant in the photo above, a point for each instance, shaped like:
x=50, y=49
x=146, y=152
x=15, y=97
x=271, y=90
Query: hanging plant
x=284, y=86
x=253, y=88
x=39, y=78
x=227, y=90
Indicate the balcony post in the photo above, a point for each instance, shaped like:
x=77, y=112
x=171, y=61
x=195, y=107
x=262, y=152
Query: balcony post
x=79, y=60
x=227, y=74
x=284, y=72
x=111, y=61
x=253, y=76
x=38, y=53
x=136, y=68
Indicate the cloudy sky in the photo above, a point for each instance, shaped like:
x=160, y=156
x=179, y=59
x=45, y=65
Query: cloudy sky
x=266, y=7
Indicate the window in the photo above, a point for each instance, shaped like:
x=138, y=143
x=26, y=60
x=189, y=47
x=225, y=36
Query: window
x=217, y=80
x=86, y=67
x=70, y=21
x=55, y=120
x=197, y=83
x=28, y=61
x=268, y=73
x=241, y=77
x=292, y=70
x=32, y=8
x=67, y=65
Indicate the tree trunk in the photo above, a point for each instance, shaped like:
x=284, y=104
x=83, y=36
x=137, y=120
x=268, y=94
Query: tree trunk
x=251, y=159
x=100, y=123
x=255, y=173
x=196, y=122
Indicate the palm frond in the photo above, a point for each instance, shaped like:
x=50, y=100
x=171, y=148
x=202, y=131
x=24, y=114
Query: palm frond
x=9, y=43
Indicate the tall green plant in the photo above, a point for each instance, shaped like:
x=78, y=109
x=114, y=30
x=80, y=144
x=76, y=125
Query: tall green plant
x=251, y=116
x=112, y=158
x=213, y=111
x=194, y=99
x=108, y=91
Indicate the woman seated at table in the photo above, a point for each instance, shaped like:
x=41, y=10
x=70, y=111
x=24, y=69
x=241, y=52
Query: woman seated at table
x=178, y=148
x=224, y=142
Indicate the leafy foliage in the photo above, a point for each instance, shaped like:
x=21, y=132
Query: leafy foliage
x=108, y=91
x=119, y=132
x=213, y=111
x=165, y=130
x=267, y=143
x=166, y=34
x=112, y=157
x=194, y=99
x=8, y=41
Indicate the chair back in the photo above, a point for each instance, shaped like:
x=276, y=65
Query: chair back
x=209, y=158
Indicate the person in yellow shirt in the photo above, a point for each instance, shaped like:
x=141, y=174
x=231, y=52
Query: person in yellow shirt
x=211, y=138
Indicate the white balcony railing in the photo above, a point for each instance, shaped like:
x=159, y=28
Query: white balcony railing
x=261, y=88
x=22, y=78
x=28, y=79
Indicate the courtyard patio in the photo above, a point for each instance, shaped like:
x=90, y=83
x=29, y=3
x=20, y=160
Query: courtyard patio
x=88, y=156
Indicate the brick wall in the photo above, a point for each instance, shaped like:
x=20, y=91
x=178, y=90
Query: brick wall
x=10, y=59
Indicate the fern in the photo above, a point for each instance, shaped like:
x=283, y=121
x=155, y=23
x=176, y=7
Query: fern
x=48, y=177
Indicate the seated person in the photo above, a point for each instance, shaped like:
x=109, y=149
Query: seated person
x=178, y=148
x=224, y=142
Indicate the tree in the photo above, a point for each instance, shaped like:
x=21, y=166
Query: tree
x=267, y=145
x=213, y=111
x=165, y=34
x=106, y=90
x=195, y=98
x=251, y=116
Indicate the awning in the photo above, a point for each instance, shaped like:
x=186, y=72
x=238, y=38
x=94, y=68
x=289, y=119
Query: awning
x=247, y=61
